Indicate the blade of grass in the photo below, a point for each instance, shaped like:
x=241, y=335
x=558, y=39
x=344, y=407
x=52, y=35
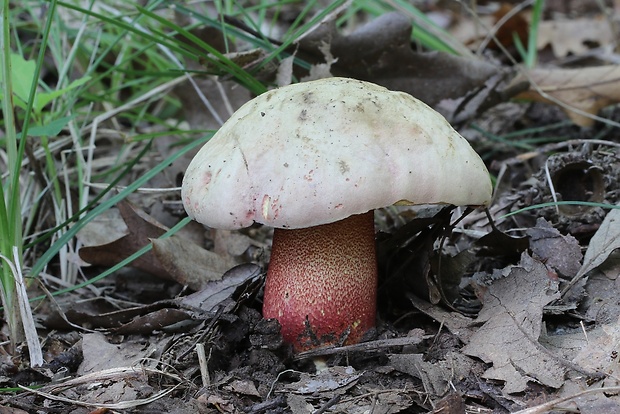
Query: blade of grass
x=10, y=220
x=562, y=203
x=220, y=60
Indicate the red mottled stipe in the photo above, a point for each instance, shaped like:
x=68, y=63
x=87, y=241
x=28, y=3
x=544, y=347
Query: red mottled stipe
x=322, y=282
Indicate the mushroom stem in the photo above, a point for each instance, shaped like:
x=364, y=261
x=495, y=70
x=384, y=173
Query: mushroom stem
x=322, y=282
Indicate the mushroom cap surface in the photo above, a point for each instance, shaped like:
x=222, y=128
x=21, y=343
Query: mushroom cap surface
x=317, y=152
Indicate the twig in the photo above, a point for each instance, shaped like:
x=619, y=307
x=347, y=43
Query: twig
x=363, y=347
x=203, y=363
x=333, y=401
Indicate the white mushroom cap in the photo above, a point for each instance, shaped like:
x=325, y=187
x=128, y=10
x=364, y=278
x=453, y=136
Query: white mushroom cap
x=317, y=152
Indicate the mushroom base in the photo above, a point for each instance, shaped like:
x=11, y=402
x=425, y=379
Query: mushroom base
x=322, y=282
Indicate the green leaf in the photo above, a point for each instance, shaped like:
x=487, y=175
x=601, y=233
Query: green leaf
x=44, y=98
x=50, y=129
x=22, y=72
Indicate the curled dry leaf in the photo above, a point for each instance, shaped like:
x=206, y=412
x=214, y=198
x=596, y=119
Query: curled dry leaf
x=604, y=242
x=584, y=89
x=215, y=292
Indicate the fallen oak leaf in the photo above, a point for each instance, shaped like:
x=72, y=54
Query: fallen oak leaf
x=603, y=243
x=512, y=317
x=577, y=91
x=215, y=292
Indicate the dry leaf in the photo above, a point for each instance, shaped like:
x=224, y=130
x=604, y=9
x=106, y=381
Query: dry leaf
x=153, y=321
x=243, y=387
x=438, y=377
x=596, y=353
x=601, y=298
x=188, y=263
x=452, y=403
x=99, y=354
x=381, y=52
x=105, y=228
x=217, y=291
x=512, y=316
x=585, y=89
x=559, y=252
x=603, y=243
x=142, y=229
x=573, y=36
x=328, y=380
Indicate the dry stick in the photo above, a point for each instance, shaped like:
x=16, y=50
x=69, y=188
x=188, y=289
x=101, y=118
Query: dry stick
x=107, y=374
x=333, y=401
x=203, y=363
x=363, y=346
x=267, y=405
x=116, y=406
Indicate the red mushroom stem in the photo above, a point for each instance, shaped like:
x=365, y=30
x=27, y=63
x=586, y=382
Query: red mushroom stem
x=322, y=282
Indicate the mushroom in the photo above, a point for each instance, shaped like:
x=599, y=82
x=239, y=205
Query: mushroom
x=313, y=160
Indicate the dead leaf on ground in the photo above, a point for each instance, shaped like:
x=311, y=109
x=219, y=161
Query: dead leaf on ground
x=173, y=258
x=190, y=264
x=11, y=410
x=329, y=380
x=601, y=302
x=605, y=241
x=573, y=36
x=437, y=377
x=162, y=314
x=381, y=52
x=596, y=353
x=331, y=383
x=141, y=229
x=557, y=251
x=512, y=316
x=586, y=89
x=216, y=291
x=99, y=354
